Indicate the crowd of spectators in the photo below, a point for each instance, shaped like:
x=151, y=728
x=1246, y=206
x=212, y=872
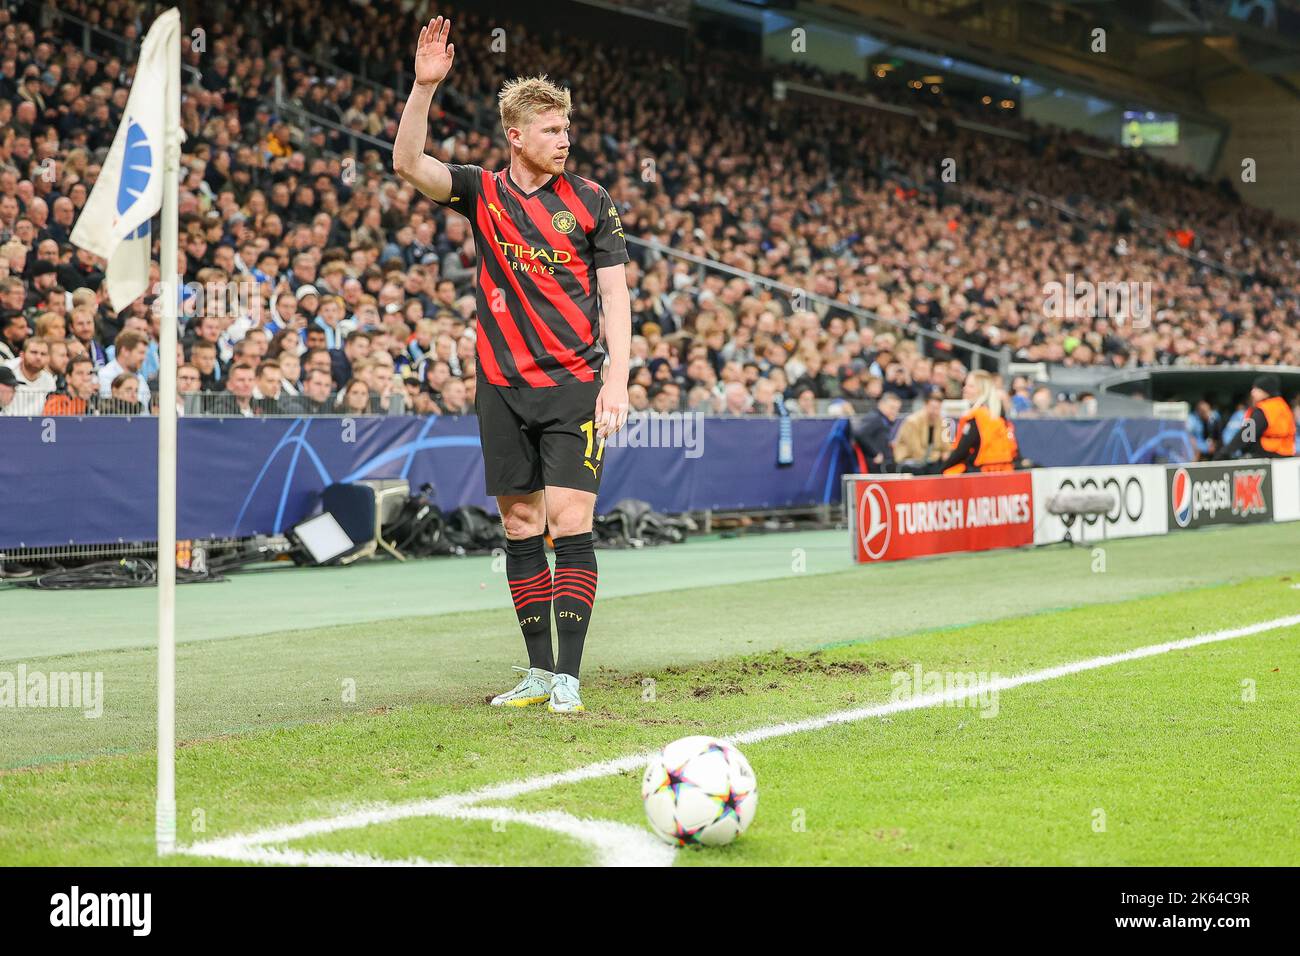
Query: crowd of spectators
x=316, y=282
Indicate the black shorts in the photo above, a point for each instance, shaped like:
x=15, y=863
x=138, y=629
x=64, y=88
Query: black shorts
x=535, y=437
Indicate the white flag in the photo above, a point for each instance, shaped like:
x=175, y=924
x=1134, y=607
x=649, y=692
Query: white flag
x=128, y=193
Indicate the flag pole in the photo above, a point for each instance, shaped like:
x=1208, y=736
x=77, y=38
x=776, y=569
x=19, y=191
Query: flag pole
x=165, y=808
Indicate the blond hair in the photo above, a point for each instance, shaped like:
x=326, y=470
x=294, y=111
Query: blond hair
x=990, y=395
x=45, y=321
x=524, y=97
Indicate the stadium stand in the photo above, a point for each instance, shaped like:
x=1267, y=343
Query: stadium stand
x=786, y=247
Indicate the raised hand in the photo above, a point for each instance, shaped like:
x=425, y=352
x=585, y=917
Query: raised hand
x=433, y=54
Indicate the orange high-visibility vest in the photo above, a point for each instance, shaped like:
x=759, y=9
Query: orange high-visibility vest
x=59, y=403
x=998, y=449
x=1279, y=436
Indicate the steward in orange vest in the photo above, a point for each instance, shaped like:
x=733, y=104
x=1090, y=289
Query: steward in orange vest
x=985, y=442
x=1269, y=427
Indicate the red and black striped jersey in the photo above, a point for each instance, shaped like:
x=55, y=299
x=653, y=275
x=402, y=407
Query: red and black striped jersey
x=538, y=253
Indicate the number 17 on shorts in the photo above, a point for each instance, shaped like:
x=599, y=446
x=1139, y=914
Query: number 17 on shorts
x=589, y=429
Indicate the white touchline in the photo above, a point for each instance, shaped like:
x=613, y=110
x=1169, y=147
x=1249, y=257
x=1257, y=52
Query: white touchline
x=618, y=844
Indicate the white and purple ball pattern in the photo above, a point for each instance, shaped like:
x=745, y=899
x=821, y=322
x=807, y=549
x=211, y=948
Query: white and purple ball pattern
x=699, y=790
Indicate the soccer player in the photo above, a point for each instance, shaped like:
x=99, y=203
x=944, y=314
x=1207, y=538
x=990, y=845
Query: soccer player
x=547, y=242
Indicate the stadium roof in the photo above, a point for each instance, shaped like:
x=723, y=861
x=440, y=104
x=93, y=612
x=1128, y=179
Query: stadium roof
x=1162, y=51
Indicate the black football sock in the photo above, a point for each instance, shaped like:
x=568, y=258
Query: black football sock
x=530, y=587
x=574, y=595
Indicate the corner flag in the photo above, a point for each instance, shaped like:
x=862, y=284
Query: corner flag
x=115, y=221
x=141, y=177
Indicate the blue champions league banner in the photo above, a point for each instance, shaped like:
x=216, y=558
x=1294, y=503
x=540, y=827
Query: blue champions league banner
x=94, y=480
x=1056, y=442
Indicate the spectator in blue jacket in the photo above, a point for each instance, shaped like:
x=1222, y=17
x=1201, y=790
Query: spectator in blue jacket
x=1233, y=424
x=874, y=433
x=1205, y=427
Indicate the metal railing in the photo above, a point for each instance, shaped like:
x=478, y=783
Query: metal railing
x=226, y=405
x=403, y=78
x=329, y=68
x=95, y=42
x=31, y=403
x=309, y=119
x=76, y=553
x=984, y=358
x=857, y=99
x=1141, y=216
x=35, y=403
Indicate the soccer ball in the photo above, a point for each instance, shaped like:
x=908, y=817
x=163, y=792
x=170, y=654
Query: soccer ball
x=699, y=790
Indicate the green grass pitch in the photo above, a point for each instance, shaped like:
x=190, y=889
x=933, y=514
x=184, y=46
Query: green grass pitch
x=1188, y=757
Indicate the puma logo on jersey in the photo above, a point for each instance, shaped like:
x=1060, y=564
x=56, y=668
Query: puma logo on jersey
x=493, y=207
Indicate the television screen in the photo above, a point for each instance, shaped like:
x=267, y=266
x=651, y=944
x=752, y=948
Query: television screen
x=1149, y=129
